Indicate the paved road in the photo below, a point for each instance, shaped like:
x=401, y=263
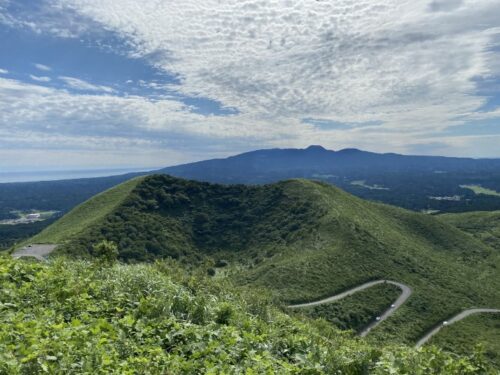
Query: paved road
x=36, y=250
x=405, y=293
x=464, y=314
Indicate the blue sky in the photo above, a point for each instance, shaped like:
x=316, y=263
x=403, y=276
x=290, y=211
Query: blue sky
x=123, y=83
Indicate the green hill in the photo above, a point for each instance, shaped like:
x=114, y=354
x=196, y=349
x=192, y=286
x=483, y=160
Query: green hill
x=484, y=225
x=77, y=317
x=302, y=240
x=87, y=214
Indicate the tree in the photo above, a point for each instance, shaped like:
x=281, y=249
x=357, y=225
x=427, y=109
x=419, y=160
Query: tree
x=106, y=252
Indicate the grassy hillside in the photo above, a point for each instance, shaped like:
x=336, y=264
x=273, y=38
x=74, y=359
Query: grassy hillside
x=486, y=327
x=164, y=216
x=483, y=225
x=357, y=241
x=302, y=240
x=86, y=214
x=71, y=317
x=356, y=311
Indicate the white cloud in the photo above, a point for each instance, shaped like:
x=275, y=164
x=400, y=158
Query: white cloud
x=413, y=66
x=30, y=107
x=3, y=71
x=42, y=67
x=40, y=79
x=79, y=84
x=342, y=60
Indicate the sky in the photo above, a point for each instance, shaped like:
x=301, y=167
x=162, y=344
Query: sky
x=152, y=83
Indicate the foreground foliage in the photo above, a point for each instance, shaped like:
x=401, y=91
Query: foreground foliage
x=484, y=327
x=301, y=240
x=74, y=317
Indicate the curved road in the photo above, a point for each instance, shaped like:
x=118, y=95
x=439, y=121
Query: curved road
x=36, y=250
x=41, y=251
x=464, y=314
x=405, y=293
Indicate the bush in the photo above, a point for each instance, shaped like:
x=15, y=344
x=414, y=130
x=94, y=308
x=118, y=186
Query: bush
x=211, y=272
x=106, y=252
x=67, y=317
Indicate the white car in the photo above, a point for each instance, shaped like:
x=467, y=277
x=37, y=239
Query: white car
x=393, y=306
x=445, y=323
x=377, y=318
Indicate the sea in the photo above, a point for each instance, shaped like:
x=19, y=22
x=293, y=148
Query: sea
x=31, y=176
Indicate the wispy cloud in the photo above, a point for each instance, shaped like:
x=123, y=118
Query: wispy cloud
x=79, y=84
x=40, y=79
x=4, y=71
x=348, y=61
x=42, y=67
x=386, y=75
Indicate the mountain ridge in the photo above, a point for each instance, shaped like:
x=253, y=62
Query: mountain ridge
x=302, y=240
x=419, y=183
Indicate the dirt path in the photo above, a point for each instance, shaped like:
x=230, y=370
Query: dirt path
x=405, y=293
x=36, y=250
x=464, y=314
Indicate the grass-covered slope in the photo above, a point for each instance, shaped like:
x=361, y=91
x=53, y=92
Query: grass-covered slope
x=356, y=311
x=164, y=216
x=358, y=240
x=75, y=317
x=484, y=327
x=87, y=214
x=483, y=225
x=303, y=240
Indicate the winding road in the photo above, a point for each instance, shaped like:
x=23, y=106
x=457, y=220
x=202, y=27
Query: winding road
x=40, y=252
x=37, y=251
x=405, y=293
x=464, y=314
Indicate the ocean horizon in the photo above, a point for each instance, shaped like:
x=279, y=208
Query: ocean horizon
x=36, y=176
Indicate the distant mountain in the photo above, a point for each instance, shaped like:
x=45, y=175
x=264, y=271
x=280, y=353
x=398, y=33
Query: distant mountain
x=430, y=183
x=270, y=165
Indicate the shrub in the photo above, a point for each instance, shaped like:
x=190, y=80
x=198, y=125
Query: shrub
x=106, y=252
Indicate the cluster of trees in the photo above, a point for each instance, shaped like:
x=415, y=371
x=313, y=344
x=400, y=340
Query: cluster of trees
x=169, y=217
x=11, y=234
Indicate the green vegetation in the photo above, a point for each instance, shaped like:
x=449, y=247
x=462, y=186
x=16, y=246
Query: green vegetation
x=356, y=311
x=84, y=215
x=74, y=317
x=165, y=216
x=302, y=240
x=485, y=327
x=106, y=253
x=477, y=189
x=483, y=225
x=12, y=234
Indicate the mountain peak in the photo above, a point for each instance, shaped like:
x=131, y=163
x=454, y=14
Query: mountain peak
x=316, y=148
x=350, y=150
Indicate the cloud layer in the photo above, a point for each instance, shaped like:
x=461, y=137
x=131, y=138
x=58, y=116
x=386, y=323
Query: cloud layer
x=406, y=70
